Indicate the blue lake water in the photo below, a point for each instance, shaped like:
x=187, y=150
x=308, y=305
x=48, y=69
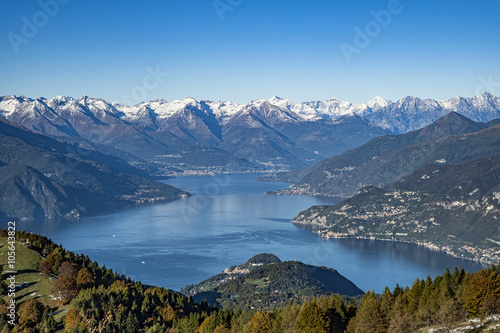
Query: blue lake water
x=228, y=220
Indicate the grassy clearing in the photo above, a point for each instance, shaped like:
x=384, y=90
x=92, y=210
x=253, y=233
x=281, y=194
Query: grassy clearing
x=30, y=282
x=258, y=282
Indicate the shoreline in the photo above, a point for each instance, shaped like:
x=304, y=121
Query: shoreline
x=324, y=233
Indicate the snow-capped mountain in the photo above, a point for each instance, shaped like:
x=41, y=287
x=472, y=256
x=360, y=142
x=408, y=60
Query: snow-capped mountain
x=412, y=113
x=407, y=114
x=274, y=133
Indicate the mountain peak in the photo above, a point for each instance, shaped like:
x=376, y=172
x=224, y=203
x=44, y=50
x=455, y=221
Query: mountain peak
x=377, y=102
x=452, y=116
x=409, y=99
x=62, y=98
x=160, y=101
x=264, y=259
x=190, y=100
x=486, y=95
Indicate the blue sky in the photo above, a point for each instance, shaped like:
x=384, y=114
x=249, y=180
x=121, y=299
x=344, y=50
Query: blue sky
x=241, y=50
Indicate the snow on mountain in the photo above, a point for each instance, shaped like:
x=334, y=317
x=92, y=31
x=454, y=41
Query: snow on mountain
x=223, y=111
x=377, y=103
x=8, y=105
x=275, y=133
x=407, y=114
x=332, y=108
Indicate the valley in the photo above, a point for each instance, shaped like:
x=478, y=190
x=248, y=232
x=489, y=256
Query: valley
x=196, y=137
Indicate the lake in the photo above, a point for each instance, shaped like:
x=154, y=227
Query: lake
x=228, y=220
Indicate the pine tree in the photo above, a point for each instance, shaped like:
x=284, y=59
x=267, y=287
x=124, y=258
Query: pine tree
x=482, y=293
x=285, y=321
x=369, y=317
x=387, y=302
x=131, y=323
x=401, y=319
x=312, y=320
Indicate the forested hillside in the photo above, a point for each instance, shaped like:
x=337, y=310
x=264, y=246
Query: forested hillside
x=43, y=177
x=62, y=291
x=264, y=283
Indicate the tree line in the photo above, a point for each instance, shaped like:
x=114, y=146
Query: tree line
x=101, y=300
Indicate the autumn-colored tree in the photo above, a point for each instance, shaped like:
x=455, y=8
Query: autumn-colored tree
x=68, y=270
x=51, y=264
x=311, y=319
x=65, y=288
x=119, y=285
x=46, y=268
x=30, y=314
x=221, y=329
x=84, y=279
x=166, y=313
x=205, y=326
x=482, y=293
x=262, y=322
x=73, y=322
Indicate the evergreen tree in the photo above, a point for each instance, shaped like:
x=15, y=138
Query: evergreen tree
x=312, y=320
x=131, y=323
x=285, y=321
x=386, y=302
x=482, y=293
x=401, y=321
x=369, y=317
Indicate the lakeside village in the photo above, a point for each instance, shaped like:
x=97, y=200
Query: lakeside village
x=487, y=255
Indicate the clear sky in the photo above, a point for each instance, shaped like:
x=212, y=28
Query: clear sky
x=241, y=50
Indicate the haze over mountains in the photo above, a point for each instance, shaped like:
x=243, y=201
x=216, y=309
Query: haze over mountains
x=42, y=177
x=262, y=135
x=75, y=154
x=451, y=139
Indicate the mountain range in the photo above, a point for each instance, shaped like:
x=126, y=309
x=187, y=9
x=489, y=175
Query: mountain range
x=451, y=139
x=450, y=207
x=200, y=137
x=44, y=177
